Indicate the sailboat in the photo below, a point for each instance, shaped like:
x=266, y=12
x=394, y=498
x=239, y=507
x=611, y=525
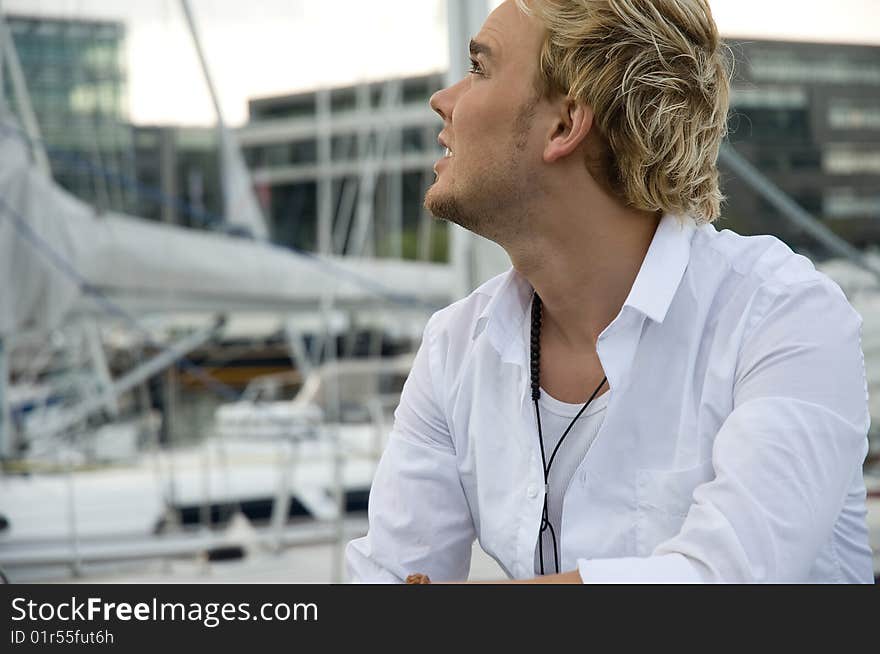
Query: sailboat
x=78, y=488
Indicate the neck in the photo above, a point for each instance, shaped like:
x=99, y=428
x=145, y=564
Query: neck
x=583, y=265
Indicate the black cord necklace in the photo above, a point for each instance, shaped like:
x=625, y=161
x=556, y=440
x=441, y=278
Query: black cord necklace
x=536, y=395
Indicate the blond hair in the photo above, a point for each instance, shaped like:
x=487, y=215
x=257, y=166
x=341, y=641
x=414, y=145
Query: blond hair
x=657, y=77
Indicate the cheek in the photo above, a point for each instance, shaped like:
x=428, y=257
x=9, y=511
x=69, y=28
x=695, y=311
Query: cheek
x=478, y=123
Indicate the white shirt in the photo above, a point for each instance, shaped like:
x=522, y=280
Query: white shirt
x=731, y=449
x=556, y=416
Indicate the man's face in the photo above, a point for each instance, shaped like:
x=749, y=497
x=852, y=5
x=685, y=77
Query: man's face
x=489, y=129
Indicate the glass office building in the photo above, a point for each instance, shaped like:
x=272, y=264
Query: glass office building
x=76, y=77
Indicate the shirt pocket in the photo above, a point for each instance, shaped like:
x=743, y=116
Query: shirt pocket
x=664, y=498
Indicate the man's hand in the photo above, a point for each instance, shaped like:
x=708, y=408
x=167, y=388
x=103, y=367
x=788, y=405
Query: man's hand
x=573, y=577
x=418, y=579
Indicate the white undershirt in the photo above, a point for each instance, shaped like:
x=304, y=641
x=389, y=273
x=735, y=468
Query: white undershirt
x=555, y=419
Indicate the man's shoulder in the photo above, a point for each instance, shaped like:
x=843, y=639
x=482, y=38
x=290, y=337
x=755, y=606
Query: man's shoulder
x=759, y=272
x=762, y=261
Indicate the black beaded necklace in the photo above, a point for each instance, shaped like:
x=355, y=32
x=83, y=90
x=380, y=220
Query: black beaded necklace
x=536, y=395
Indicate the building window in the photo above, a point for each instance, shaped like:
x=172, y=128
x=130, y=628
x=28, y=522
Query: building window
x=790, y=67
x=342, y=100
x=846, y=161
x=413, y=139
x=809, y=159
x=294, y=215
x=304, y=152
x=294, y=107
x=344, y=147
x=785, y=159
x=848, y=114
x=809, y=201
x=276, y=155
x=773, y=97
x=769, y=125
x=417, y=90
x=848, y=203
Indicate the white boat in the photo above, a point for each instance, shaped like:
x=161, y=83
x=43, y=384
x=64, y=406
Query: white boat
x=294, y=469
x=63, y=503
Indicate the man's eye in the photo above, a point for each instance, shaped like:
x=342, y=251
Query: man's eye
x=476, y=68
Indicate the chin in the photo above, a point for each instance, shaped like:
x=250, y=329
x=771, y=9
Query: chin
x=440, y=204
x=443, y=204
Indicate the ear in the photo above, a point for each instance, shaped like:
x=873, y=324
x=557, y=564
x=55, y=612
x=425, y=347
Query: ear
x=574, y=122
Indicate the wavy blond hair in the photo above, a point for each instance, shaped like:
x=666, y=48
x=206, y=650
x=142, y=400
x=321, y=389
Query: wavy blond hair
x=657, y=77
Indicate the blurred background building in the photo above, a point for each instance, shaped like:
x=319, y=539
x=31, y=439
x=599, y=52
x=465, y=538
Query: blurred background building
x=343, y=154
x=78, y=85
x=77, y=80
x=182, y=163
x=807, y=115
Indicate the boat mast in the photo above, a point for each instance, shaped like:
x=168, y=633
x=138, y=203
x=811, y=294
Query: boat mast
x=241, y=206
x=22, y=97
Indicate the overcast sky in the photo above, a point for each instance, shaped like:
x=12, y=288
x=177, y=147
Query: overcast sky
x=264, y=47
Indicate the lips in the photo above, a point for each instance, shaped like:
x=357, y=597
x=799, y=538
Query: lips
x=442, y=141
x=447, y=152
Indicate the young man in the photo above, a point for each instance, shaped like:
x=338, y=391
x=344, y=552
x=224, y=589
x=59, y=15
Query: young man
x=641, y=397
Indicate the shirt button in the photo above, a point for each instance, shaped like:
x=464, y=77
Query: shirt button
x=532, y=491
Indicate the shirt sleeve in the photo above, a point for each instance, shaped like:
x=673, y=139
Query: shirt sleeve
x=419, y=517
x=783, y=459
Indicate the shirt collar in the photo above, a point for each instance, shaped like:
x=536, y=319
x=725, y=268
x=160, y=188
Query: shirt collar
x=505, y=311
x=651, y=294
x=663, y=267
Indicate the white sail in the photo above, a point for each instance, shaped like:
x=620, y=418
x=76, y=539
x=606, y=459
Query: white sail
x=53, y=248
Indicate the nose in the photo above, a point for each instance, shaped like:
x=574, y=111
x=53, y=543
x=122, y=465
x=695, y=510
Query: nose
x=443, y=101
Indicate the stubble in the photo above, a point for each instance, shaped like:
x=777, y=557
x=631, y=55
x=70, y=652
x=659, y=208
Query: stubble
x=494, y=201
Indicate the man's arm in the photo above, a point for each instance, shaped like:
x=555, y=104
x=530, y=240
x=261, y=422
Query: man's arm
x=783, y=459
x=573, y=577
x=419, y=517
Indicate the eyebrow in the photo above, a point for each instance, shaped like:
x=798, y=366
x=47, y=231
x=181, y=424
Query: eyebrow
x=478, y=48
